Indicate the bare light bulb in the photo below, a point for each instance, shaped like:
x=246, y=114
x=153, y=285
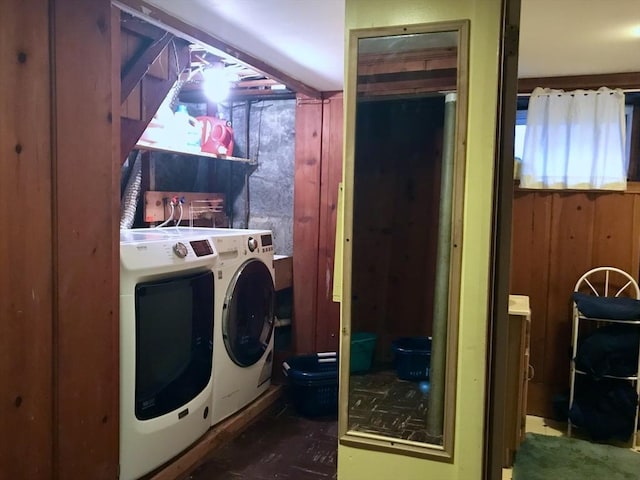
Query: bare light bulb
x=216, y=84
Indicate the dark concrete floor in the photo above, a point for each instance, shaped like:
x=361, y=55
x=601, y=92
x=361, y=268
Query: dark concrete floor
x=287, y=446
x=281, y=445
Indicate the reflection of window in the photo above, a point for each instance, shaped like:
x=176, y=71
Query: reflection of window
x=521, y=127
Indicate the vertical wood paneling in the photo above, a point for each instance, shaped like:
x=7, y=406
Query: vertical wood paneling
x=86, y=239
x=25, y=244
x=113, y=329
x=571, y=252
x=530, y=250
x=613, y=241
x=395, y=219
x=635, y=235
x=328, y=314
x=558, y=236
x=306, y=230
x=373, y=207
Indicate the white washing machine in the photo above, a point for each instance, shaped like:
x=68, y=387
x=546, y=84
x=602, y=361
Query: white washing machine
x=244, y=319
x=167, y=298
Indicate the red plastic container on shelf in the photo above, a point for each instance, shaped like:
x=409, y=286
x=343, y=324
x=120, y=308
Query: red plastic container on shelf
x=217, y=136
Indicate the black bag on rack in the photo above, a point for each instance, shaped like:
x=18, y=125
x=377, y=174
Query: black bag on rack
x=609, y=350
x=605, y=408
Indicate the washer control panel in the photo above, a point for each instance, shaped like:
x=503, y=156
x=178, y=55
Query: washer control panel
x=150, y=250
x=180, y=249
x=266, y=240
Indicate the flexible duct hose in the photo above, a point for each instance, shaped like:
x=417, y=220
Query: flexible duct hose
x=131, y=195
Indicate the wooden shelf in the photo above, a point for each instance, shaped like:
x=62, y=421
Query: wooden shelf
x=168, y=149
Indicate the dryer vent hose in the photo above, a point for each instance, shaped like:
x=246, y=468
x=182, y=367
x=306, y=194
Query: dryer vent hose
x=129, y=201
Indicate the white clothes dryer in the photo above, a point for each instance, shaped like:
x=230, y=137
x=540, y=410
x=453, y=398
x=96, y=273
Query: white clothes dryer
x=167, y=291
x=244, y=319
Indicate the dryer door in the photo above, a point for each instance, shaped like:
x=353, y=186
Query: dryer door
x=248, y=314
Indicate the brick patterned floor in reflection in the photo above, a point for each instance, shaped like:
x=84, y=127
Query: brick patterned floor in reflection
x=380, y=403
x=286, y=446
x=282, y=445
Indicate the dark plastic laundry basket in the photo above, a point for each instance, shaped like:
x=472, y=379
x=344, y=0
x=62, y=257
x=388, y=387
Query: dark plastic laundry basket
x=313, y=383
x=412, y=357
x=362, y=346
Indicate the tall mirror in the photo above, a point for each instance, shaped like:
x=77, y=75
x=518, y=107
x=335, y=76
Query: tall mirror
x=401, y=307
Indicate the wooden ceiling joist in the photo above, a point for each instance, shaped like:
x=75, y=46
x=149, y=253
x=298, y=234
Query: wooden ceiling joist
x=138, y=66
x=625, y=81
x=195, y=35
x=443, y=73
x=153, y=92
x=140, y=27
x=412, y=72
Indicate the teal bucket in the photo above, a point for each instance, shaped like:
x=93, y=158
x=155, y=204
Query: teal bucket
x=362, y=347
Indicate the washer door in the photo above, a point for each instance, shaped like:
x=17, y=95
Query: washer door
x=248, y=314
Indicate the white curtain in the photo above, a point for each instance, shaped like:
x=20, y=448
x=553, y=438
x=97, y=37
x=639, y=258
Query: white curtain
x=575, y=140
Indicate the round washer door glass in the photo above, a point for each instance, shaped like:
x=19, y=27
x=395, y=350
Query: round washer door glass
x=248, y=314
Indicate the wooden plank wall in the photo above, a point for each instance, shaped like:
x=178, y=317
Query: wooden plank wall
x=59, y=252
x=306, y=225
x=395, y=219
x=86, y=239
x=318, y=170
x=26, y=256
x=558, y=236
x=328, y=311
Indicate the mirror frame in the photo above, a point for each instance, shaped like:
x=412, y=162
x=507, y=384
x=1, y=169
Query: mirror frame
x=444, y=452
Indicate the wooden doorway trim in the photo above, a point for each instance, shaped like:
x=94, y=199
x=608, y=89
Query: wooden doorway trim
x=498, y=334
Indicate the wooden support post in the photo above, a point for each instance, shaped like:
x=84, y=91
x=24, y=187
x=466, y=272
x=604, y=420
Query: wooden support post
x=306, y=208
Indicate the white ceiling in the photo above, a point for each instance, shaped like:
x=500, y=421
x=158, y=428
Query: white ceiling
x=305, y=38
x=302, y=38
x=579, y=37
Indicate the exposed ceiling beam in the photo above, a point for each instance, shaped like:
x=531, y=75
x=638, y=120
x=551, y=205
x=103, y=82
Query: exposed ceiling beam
x=195, y=35
x=627, y=80
x=138, y=66
x=140, y=27
x=154, y=91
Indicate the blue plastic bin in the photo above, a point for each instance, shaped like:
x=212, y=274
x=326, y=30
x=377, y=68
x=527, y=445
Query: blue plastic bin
x=313, y=383
x=412, y=357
